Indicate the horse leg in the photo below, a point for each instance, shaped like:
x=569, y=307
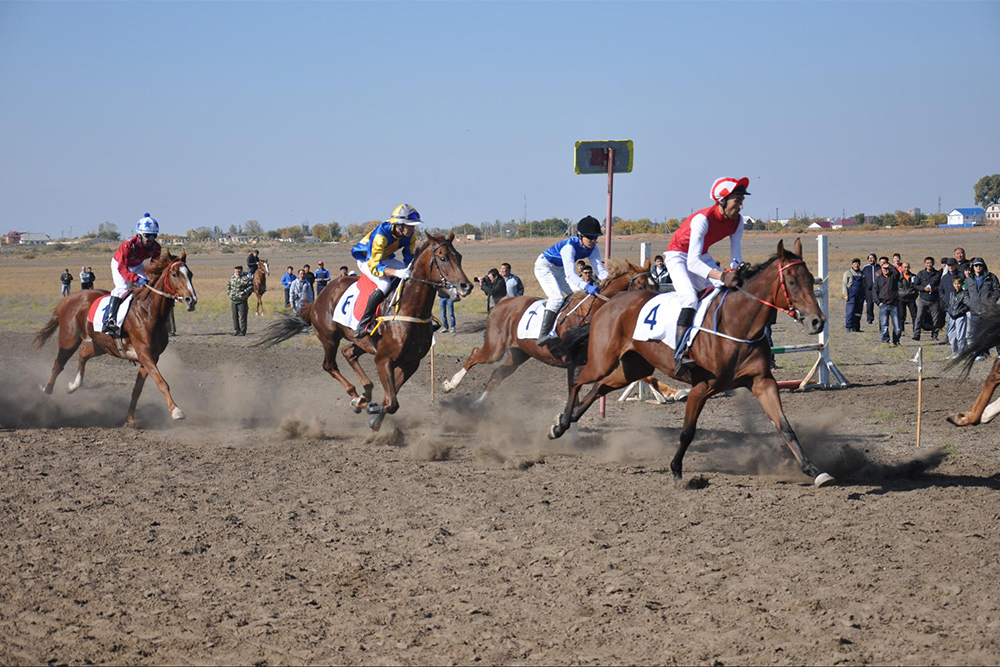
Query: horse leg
x=606, y=372
x=352, y=354
x=65, y=352
x=766, y=391
x=975, y=415
x=492, y=349
x=503, y=371
x=149, y=363
x=330, y=366
x=695, y=403
x=668, y=392
x=140, y=379
x=87, y=352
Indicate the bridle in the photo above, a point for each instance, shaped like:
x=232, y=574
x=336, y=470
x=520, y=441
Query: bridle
x=444, y=283
x=166, y=284
x=791, y=311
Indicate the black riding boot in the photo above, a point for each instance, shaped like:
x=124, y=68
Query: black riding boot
x=111, y=316
x=373, y=301
x=683, y=363
x=548, y=319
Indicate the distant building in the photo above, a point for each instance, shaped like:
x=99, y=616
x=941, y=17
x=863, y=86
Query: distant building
x=821, y=224
x=34, y=239
x=843, y=222
x=993, y=214
x=914, y=211
x=12, y=238
x=966, y=217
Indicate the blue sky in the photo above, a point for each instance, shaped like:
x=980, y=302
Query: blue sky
x=214, y=113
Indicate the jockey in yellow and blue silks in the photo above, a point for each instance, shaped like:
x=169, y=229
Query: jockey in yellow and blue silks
x=376, y=255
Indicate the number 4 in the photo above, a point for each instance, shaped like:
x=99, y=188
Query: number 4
x=651, y=318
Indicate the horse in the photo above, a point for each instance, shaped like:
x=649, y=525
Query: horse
x=260, y=285
x=987, y=337
x=144, y=330
x=404, y=337
x=735, y=354
x=502, y=322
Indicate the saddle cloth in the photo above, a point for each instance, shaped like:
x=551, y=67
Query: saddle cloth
x=97, y=309
x=658, y=318
x=530, y=324
x=351, y=306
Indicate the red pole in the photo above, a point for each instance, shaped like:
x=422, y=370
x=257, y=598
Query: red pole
x=607, y=235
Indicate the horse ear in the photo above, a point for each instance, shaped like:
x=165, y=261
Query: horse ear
x=184, y=255
x=781, y=249
x=798, y=247
x=451, y=236
x=647, y=264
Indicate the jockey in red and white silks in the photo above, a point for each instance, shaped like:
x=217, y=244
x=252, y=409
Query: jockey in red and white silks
x=688, y=261
x=126, y=266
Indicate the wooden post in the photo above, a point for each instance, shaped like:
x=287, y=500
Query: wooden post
x=432, y=368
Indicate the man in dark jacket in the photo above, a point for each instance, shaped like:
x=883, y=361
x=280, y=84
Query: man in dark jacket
x=253, y=259
x=984, y=291
x=929, y=299
x=869, y=272
x=949, y=270
x=907, y=297
x=886, y=295
x=494, y=287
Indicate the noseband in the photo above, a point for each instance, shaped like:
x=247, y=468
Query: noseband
x=791, y=311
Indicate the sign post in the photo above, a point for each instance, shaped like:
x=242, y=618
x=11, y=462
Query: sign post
x=598, y=157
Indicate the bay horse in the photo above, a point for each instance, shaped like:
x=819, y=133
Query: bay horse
x=260, y=285
x=734, y=353
x=502, y=323
x=404, y=337
x=987, y=337
x=144, y=330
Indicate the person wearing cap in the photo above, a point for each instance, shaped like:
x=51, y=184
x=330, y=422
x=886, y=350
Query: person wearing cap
x=322, y=278
x=927, y=283
x=853, y=289
x=555, y=270
x=127, y=267
x=253, y=259
x=870, y=270
x=240, y=288
x=984, y=291
x=689, y=264
x=376, y=256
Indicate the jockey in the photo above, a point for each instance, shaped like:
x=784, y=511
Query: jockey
x=126, y=267
x=376, y=255
x=690, y=266
x=555, y=270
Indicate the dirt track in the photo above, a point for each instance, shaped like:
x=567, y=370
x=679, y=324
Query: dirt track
x=266, y=529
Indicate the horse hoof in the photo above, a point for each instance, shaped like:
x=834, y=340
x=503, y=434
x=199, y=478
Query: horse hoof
x=447, y=386
x=823, y=479
x=555, y=432
x=176, y=413
x=375, y=423
x=959, y=419
x=46, y=389
x=681, y=394
x=356, y=405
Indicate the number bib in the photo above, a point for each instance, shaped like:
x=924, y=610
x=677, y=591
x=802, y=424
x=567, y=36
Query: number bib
x=658, y=318
x=530, y=324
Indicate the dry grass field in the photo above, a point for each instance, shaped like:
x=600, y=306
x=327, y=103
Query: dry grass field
x=270, y=528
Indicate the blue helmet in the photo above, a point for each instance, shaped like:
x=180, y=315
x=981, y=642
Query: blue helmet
x=147, y=225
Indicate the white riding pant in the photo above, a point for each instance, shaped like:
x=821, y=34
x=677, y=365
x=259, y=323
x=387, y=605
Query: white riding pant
x=552, y=278
x=686, y=284
x=381, y=283
x=121, y=287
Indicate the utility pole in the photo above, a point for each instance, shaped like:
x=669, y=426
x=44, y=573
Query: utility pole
x=776, y=214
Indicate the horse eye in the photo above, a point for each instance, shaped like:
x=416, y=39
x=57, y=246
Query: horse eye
x=444, y=260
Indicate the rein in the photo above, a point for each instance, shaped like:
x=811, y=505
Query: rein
x=444, y=283
x=791, y=311
x=166, y=283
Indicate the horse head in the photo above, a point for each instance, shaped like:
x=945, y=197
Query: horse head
x=796, y=287
x=176, y=279
x=624, y=275
x=263, y=264
x=440, y=264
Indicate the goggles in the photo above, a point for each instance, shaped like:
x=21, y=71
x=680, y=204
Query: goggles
x=149, y=236
x=591, y=237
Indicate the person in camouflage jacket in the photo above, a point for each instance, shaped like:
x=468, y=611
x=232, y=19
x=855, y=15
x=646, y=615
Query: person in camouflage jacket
x=240, y=288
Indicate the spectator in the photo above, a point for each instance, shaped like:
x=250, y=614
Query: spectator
x=514, y=285
x=253, y=259
x=494, y=287
x=66, y=278
x=660, y=275
x=853, y=288
x=87, y=277
x=580, y=263
x=886, y=295
x=907, y=297
x=301, y=291
x=928, y=299
x=983, y=288
x=958, y=308
x=310, y=276
x=447, y=307
x=897, y=262
x=869, y=272
x=287, y=279
x=883, y=261
x=240, y=288
x=343, y=272
x=963, y=263
x=322, y=278
x=948, y=271
x=587, y=273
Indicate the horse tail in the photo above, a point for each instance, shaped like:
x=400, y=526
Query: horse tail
x=987, y=337
x=280, y=331
x=572, y=345
x=474, y=326
x=46, y=332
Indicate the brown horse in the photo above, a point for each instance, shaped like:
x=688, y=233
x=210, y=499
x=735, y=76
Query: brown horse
x=502, y=323
x=735, y=353
x=987, y=337
x=260, y=285
x=144, y=331
x=403, y=338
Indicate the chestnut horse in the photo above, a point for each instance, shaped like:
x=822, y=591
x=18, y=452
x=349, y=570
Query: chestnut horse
x=260, y=285
x=502, y=323
x=403, y=337
x=144, y=331
x=734, y=352
x=987, y=337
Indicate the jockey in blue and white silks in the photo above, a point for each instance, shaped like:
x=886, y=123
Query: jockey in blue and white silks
x=555, y=270
x=376, y=255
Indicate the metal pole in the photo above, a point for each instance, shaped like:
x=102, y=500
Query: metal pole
x=822, y=242
x=607, y=235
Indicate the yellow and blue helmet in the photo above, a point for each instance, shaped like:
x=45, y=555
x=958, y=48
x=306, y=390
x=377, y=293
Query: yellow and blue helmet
x=404, y=214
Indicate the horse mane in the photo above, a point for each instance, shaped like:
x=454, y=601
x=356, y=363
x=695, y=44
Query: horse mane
x=616, y=268
x=751, y=272
x=154, y=270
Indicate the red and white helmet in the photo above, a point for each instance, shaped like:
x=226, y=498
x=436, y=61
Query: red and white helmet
x=723, y=187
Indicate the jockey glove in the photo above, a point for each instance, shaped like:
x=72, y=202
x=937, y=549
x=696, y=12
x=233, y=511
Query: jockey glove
x=142, y=281
x=403, y=273
x=591, y=289
x=731, y=279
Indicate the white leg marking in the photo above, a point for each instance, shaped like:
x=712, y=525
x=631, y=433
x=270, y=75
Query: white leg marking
x=449, y=385
x=75, y=384
x=176, y=413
